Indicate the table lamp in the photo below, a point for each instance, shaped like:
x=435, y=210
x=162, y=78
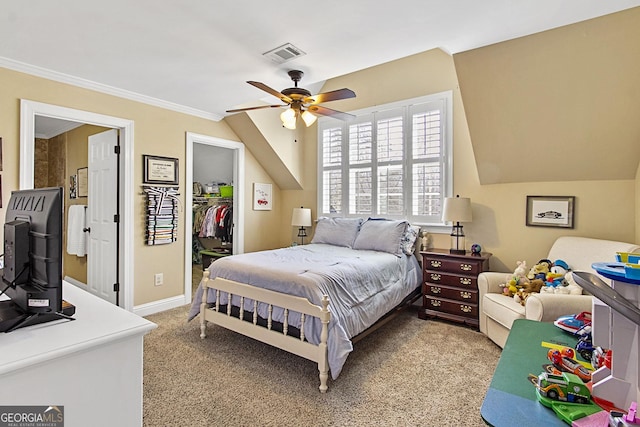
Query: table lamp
x=301, y=218
x=457, y=209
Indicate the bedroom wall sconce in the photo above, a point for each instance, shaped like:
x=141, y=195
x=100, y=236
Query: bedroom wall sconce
x=457, y=209
x=301, y=218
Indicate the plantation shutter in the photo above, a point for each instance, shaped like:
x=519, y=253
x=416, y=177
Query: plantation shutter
x=394, y=162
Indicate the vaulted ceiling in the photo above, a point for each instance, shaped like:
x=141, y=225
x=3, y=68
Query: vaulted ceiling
x=196, y=56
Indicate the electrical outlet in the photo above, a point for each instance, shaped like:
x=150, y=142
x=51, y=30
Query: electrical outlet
x=159, y=279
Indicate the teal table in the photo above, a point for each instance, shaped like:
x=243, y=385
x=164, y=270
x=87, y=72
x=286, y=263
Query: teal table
x=511, y=398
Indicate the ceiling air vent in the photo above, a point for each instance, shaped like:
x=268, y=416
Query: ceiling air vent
x=284, y=53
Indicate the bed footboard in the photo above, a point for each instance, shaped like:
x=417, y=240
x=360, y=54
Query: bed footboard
x=296, y=345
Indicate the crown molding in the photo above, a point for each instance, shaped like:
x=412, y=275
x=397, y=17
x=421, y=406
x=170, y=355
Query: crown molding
x=102, y=88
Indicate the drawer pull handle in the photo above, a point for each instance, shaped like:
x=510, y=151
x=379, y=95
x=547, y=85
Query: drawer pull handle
x=435, y=290
x=435, y=302
x=465, y=281
x=465, y=267
x=465, y=308
x=465, y=294
x=435, y=277
x=436, y=264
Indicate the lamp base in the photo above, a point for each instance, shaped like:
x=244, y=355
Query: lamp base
x=457, y=251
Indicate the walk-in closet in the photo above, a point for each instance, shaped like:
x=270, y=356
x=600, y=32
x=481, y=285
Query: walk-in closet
x=212, y=204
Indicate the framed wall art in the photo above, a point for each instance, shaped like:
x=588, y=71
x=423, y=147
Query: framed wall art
x=82, y=182
x=262, y=197
x=550, y=211
x=73, y=186
x=159, y=170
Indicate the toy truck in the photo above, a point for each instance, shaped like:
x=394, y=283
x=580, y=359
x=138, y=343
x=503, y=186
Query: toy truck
x=567, y=387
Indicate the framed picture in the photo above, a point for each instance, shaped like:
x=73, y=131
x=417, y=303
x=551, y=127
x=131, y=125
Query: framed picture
x=159, y=170
x=262, y=197
x=550, y=211
x=82, y=182
x=73, y=186
x=0, y=153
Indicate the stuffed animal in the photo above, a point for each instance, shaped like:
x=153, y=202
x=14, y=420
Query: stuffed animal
x=513, y=282
x=540, y=270
x=521, y=269
x=533, y=286
x=560, y=267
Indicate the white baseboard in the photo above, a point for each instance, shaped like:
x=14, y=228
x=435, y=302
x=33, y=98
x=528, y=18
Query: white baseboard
x=160, y=305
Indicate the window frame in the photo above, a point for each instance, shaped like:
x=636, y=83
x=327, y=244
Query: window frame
x=373, y=115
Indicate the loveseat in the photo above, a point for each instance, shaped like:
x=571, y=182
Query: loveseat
x=498, y=311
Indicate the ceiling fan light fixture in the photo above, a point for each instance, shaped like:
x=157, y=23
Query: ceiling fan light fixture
x=288, y=118
x=309, y=118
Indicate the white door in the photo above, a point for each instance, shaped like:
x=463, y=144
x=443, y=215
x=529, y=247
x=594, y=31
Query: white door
x=102, y=272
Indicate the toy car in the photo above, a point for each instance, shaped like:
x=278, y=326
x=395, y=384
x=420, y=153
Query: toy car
x=549, y=214
x=566, y=387
x=601, y=357
x=577, y=324
x=584, y=347
x=563, y=361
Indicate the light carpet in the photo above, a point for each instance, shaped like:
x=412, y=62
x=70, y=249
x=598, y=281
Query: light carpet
x=409, y=372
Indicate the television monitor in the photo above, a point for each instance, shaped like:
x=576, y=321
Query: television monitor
x=32, y=274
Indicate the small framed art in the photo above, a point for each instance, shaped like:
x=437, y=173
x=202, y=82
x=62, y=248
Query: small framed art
x=261, y=197
x=550, y=211
x=82, y=182
x=159, y=170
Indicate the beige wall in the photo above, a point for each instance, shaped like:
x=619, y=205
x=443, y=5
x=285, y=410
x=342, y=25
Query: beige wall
x=604, y=209
x=157, y=131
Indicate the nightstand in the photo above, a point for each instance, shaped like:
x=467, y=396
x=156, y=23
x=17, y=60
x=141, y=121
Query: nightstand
x=450, y=285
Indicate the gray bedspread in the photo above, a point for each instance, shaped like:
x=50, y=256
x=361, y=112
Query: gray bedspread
x=362, y=286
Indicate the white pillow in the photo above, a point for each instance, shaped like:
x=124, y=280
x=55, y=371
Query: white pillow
x=409, y=237
x=337, y=231
x=381, y=235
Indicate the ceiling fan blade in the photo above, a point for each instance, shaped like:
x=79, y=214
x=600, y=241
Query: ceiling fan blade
x=255, y=108
x=334, y=95
x=317, y=109
x=264, y=87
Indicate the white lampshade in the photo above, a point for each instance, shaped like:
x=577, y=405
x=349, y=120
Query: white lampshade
x=457, y=209
x=288, y=118
x=308, y=118
x=301, y=217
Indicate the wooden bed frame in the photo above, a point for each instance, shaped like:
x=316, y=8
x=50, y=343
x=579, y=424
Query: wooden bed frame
x=292, y=344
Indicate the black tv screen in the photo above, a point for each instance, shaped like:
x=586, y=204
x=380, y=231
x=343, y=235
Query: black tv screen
x=33, y=250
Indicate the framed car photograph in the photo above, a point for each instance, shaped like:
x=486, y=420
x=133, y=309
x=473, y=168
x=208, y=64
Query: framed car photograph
x=550, y=211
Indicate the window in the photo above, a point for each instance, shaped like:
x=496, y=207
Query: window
x=392, y=161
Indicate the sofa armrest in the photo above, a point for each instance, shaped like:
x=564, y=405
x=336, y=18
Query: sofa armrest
x=490, y=282
x=548, y=307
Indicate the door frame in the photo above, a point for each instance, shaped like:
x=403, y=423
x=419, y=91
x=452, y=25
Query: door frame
x=238, y=199
x=28, y=111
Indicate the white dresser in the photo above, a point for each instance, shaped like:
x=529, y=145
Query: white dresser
x=92, y=366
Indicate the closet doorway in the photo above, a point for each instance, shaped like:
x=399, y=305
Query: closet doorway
x=202, y=146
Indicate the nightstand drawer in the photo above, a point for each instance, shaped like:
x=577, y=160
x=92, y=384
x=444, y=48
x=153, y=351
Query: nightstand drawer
x=461, y=295
x=453, y=307
x=454, y=265
x=451, y=279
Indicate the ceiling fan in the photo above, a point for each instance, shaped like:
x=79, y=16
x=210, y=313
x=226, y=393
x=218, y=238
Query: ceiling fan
x=301, y=103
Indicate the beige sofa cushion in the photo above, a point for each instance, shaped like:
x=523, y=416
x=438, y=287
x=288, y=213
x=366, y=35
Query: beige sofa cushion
x=502, y=309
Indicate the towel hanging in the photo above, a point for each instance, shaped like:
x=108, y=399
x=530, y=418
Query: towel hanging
x=76, y=236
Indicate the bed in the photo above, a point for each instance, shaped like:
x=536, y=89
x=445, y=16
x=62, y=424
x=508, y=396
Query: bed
x=314, y=300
